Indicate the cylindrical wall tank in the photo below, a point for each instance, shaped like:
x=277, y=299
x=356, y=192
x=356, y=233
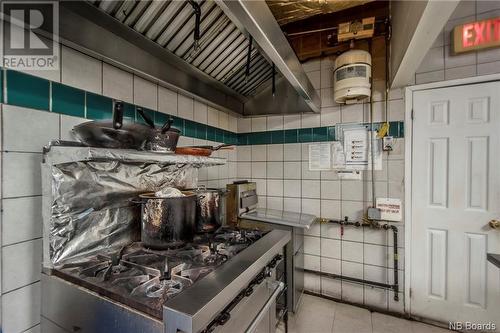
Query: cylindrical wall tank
x=352, y=76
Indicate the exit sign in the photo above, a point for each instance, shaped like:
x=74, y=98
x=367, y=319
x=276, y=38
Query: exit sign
x=476, y=35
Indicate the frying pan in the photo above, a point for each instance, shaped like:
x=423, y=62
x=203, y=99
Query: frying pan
x=119, y=135
x=201, y=150
x=113, y=133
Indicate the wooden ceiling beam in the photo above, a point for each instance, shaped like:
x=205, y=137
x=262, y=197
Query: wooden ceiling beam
x=316, y=44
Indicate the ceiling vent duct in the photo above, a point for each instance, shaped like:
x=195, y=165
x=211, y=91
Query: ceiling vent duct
x=219, y=51
x=199, y=33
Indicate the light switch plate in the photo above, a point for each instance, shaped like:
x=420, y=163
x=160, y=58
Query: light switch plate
x=387, y=143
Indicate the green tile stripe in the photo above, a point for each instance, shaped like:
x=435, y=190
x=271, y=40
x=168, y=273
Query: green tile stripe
x=68, y=100
x=27, y=90
x=304, y=135
x=33, y=92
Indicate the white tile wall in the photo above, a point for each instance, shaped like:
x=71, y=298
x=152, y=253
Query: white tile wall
x=67, y=124
x=117, y=83
x=21, y=308
x=145, y=93
x=21, y=264
x=27, y=130
x=323, y=194
x=186, y=107
x=21, y=174
x=200, y=112
x=439, y=64
x=167, y=101
x=21, y=219
x=81, y=71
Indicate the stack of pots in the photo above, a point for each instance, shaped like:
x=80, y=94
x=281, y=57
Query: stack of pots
x=172, y=222
x=167, y=222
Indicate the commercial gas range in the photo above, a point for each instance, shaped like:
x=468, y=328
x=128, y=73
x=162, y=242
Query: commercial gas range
x=99, y=278
x=226, y=282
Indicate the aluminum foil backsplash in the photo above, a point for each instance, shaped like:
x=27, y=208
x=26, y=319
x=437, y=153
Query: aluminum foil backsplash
x=89, y=205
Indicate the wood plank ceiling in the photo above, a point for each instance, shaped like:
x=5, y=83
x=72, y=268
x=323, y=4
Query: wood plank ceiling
x=311, y=26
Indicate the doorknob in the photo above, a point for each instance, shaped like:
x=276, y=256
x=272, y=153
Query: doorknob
x=494, y=224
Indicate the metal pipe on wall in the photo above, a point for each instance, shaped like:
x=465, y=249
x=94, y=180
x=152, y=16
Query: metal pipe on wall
x=375, y=225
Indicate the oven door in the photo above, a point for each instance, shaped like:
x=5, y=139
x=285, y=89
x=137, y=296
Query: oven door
x=257, y=313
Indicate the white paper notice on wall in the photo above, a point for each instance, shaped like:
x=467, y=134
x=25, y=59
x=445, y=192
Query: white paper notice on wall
x=338, y=156
x=349, y=174
x=356, y=146
x=390, y=209
x=357, y=149
x=320, y=157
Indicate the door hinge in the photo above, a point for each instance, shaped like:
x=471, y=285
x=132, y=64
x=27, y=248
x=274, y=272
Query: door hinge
x=411, y=293
x=411, y=114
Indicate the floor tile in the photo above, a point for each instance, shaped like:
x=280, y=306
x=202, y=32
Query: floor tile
x=388, y=324
x=318, y=315
x=351, y=319
x=418, y=327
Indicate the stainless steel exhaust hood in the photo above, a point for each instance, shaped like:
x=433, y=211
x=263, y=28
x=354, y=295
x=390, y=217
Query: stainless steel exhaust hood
x=221, y=51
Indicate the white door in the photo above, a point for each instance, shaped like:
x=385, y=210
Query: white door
x=455, y=193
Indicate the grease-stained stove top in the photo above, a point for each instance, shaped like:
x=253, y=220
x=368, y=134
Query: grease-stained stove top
x=144, y=278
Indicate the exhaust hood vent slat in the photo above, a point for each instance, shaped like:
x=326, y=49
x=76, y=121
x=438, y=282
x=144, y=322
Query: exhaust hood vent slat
x=184, y=16
x=150, y=15
x=235, y=57
x=164, y=20
x=234, y=39
x=208, y=33
x=125, y=9
x=234, y=67
x=109, y=6
x=257, y=69
x=137, y=11
x=206, y=22
x=223, y=48
x=239, y=75
x=210, y=48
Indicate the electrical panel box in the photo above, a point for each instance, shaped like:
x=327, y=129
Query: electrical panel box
x=356, y=29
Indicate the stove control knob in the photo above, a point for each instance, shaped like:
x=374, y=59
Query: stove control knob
x=272, y=264
x=249, y=291
x=223, y=318
x=268, y=272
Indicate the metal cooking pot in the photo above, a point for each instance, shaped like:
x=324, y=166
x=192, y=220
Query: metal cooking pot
x=208, y=208
x=167, y=222
x=162, y=139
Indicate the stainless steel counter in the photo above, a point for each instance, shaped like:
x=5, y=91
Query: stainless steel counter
x=296, y=223
x=296, y=220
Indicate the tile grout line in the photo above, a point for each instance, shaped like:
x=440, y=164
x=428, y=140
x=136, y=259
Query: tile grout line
x=21, y=242
x=29, y=328
x=19, y=288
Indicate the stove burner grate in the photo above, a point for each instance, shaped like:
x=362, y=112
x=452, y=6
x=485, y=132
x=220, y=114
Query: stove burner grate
x=145, y=278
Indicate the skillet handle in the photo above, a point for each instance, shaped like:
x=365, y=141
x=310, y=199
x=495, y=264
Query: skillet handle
x=167, y=126
x=145, y=117
x=118, y=115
